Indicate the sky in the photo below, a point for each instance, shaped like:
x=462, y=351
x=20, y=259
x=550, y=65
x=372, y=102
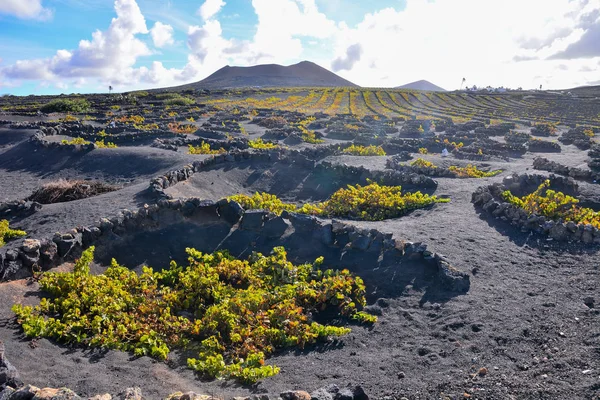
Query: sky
x=83, y=46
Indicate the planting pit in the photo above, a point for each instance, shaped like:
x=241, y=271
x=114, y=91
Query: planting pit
x=291, y=181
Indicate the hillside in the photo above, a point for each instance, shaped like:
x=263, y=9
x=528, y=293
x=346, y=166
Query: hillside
x=303, y=74
x=422, y=85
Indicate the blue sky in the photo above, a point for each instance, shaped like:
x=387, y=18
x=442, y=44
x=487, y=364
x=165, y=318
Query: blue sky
x=132, y=44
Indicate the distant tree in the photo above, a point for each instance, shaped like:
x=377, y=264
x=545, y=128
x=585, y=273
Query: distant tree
x=110, y=89
x=540, y=87
x=463, y=82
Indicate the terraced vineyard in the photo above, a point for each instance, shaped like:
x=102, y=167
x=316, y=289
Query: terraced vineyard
x=354, y=243
x=510, y=107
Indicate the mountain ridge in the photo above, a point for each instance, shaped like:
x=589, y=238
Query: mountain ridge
x=302, y=74
x=422, y=85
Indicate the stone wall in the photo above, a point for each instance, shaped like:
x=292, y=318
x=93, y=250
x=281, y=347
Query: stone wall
x=23, y=257
x=544, y=164
x=303, y=158
x=489, y=200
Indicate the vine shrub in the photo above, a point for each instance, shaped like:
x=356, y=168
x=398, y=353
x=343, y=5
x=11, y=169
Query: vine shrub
x=6, y=233
x=260, y=144
x=101, y=144
x=66, y=105
x=204, y=148
x=239, y=310
x=176, y=127
x=372, y=202
x=554, y=205
x=364, y=150
x=77, y=140
x=470, y=171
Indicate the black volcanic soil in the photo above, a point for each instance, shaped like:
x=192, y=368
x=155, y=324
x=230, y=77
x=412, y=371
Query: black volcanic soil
x=524, y=318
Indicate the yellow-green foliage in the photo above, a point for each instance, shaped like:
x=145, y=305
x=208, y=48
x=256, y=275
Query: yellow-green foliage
x=180, y=101
x=471, y=171
x=131, y=119
x=242, y=309
x=204, y=148
x=7, y=234
x=260, y=144
x=262, y=201
x=176, y=127
x=554, y=205
x=66, y=105
x=105, y=145
x=370, y=203
x=364, y=150
x=146, y=127
x=69, y=118
x=77, y=140
x=423, y=150
x=419, y=162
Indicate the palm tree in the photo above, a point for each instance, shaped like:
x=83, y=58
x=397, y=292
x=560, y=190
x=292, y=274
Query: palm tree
x=463, y=82
x=110, y=89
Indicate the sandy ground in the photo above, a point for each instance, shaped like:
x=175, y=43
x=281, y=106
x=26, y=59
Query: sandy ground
x=524, y=318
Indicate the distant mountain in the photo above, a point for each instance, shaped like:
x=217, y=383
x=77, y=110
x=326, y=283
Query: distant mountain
x=303, y=74
x=422, y=85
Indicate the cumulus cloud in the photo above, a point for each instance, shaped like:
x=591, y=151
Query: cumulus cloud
x=586, y=47
x=210, y=8
x=162, y=34
x=485, y=49
x=25, y=9
x=109, y=55
x=353, y=54
x=282, y=24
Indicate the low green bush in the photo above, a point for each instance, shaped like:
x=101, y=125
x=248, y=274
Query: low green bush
x=554, y=205
x=372, y=202
x=237, y=311
x=66, y=106
x=364, y=150
x=6, y=233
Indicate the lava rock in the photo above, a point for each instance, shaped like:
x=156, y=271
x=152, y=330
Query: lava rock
x=295, y=395
x=253, y=219
x=230, y=211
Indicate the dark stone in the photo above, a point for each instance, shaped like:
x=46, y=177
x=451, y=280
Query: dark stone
x=295, y=395
x=300, y=221
x=230, y=211
x=89, y=235
x=65, y=246
x=275, y=227
x=361, y=242
x=325, y=234
x=14, y=270
x=359, y=394
x=321, y=394
x=253, y=219
x=6, y=393
x=49, y=252
x=9, y=376
x=344, y=394
x=452, y=278
x=12, y=255
x=29, y=259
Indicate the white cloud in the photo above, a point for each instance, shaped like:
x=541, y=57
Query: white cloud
x=110, y=55
x=210, y=8
x=162, y=34
x=480, y=44
x=440, y=41
x=25, y=9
